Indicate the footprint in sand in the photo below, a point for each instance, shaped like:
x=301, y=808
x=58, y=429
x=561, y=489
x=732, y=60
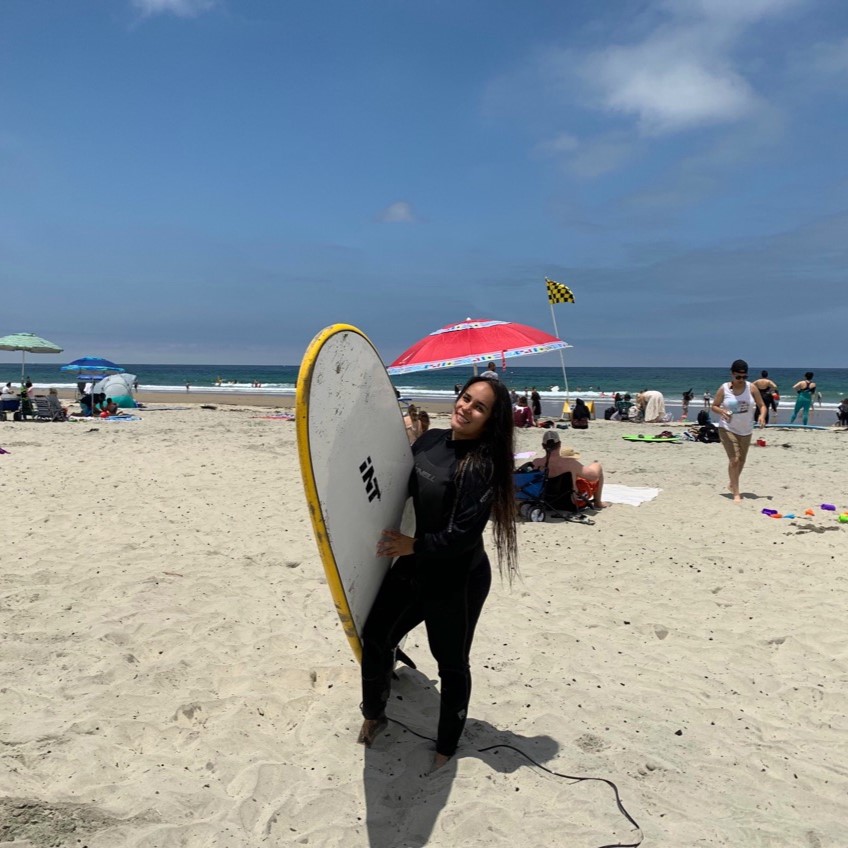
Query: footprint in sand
x=590, y=743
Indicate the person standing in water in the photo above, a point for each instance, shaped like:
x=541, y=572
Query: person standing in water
x=460, y=478
x=734, y=404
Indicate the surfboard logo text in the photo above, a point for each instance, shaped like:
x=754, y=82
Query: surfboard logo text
x=372, y=487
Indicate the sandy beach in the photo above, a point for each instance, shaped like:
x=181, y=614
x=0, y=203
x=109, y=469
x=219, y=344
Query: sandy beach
x=174, y=673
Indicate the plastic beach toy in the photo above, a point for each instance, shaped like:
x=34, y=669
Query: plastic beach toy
x=830, y=507
x=769, y=511
x=809, y=512
x=843, y=519
x=775, y=515
x=789, y=515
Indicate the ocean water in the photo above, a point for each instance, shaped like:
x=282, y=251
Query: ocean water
x=588, y=383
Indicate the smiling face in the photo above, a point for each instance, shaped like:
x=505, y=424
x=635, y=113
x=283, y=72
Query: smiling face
x=472, y=410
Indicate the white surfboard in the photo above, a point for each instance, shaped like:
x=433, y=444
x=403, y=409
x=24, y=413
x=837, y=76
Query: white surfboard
x=355, y=461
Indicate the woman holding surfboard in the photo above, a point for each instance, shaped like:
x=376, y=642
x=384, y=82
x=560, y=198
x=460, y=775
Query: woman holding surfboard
x=461, y=478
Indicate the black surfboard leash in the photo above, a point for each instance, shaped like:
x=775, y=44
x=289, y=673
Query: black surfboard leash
x=571, y=777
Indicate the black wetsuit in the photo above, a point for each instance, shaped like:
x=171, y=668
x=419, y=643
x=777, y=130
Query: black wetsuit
x=444, y=583
x=536, y=404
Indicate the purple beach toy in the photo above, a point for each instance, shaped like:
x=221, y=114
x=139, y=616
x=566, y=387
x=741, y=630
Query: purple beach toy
x=830, y=507
x=769, y=511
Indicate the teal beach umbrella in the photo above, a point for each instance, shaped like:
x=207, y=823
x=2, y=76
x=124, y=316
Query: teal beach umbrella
x=27, y=343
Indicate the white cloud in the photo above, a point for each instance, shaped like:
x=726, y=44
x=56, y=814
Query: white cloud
x=684, y=73
x=668, y=87
x=400, y=212
x=180, y=8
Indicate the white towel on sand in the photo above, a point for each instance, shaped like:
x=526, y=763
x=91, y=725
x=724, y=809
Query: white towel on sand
x=633, y=495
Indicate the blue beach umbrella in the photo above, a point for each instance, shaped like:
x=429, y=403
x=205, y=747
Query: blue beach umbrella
x=92, y=367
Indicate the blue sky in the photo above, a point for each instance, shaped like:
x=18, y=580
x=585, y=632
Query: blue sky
x=216, y=180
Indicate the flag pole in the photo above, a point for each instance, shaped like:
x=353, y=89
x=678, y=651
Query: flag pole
x=561, y=356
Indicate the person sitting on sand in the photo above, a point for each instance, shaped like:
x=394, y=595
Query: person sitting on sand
x=622, y=407
x=588, y=479
x=580, y=415
x=9, y=400
x=109, y=409
x=842, y=412
x=522, y=415
x=423, y=421
x=59, y=412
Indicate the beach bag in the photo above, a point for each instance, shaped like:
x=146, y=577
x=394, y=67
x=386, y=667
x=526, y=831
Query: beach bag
x=708, y=434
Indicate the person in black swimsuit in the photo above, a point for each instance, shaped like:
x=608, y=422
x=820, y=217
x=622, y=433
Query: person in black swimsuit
x=461, y=477
x=767, y=389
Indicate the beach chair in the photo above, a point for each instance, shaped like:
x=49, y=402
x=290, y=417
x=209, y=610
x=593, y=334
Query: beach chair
x=622, y=407
x=539, y=495
x=44, y=411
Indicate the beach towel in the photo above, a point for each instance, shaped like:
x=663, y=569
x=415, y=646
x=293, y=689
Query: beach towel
x=118, y=418
x=631, y=495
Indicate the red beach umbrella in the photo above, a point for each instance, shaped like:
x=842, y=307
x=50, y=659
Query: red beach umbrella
x=472, y=342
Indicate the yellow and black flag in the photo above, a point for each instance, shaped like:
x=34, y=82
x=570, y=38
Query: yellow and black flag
x=558, y=292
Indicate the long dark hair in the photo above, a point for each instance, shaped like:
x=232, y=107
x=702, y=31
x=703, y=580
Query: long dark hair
x=496, y=447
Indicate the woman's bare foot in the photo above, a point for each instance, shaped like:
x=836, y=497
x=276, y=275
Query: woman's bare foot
x=370, y=729
x=438, y=761
x=601, y=505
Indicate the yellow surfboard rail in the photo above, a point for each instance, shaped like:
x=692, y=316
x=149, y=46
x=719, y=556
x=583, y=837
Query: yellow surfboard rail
x=307, y=472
